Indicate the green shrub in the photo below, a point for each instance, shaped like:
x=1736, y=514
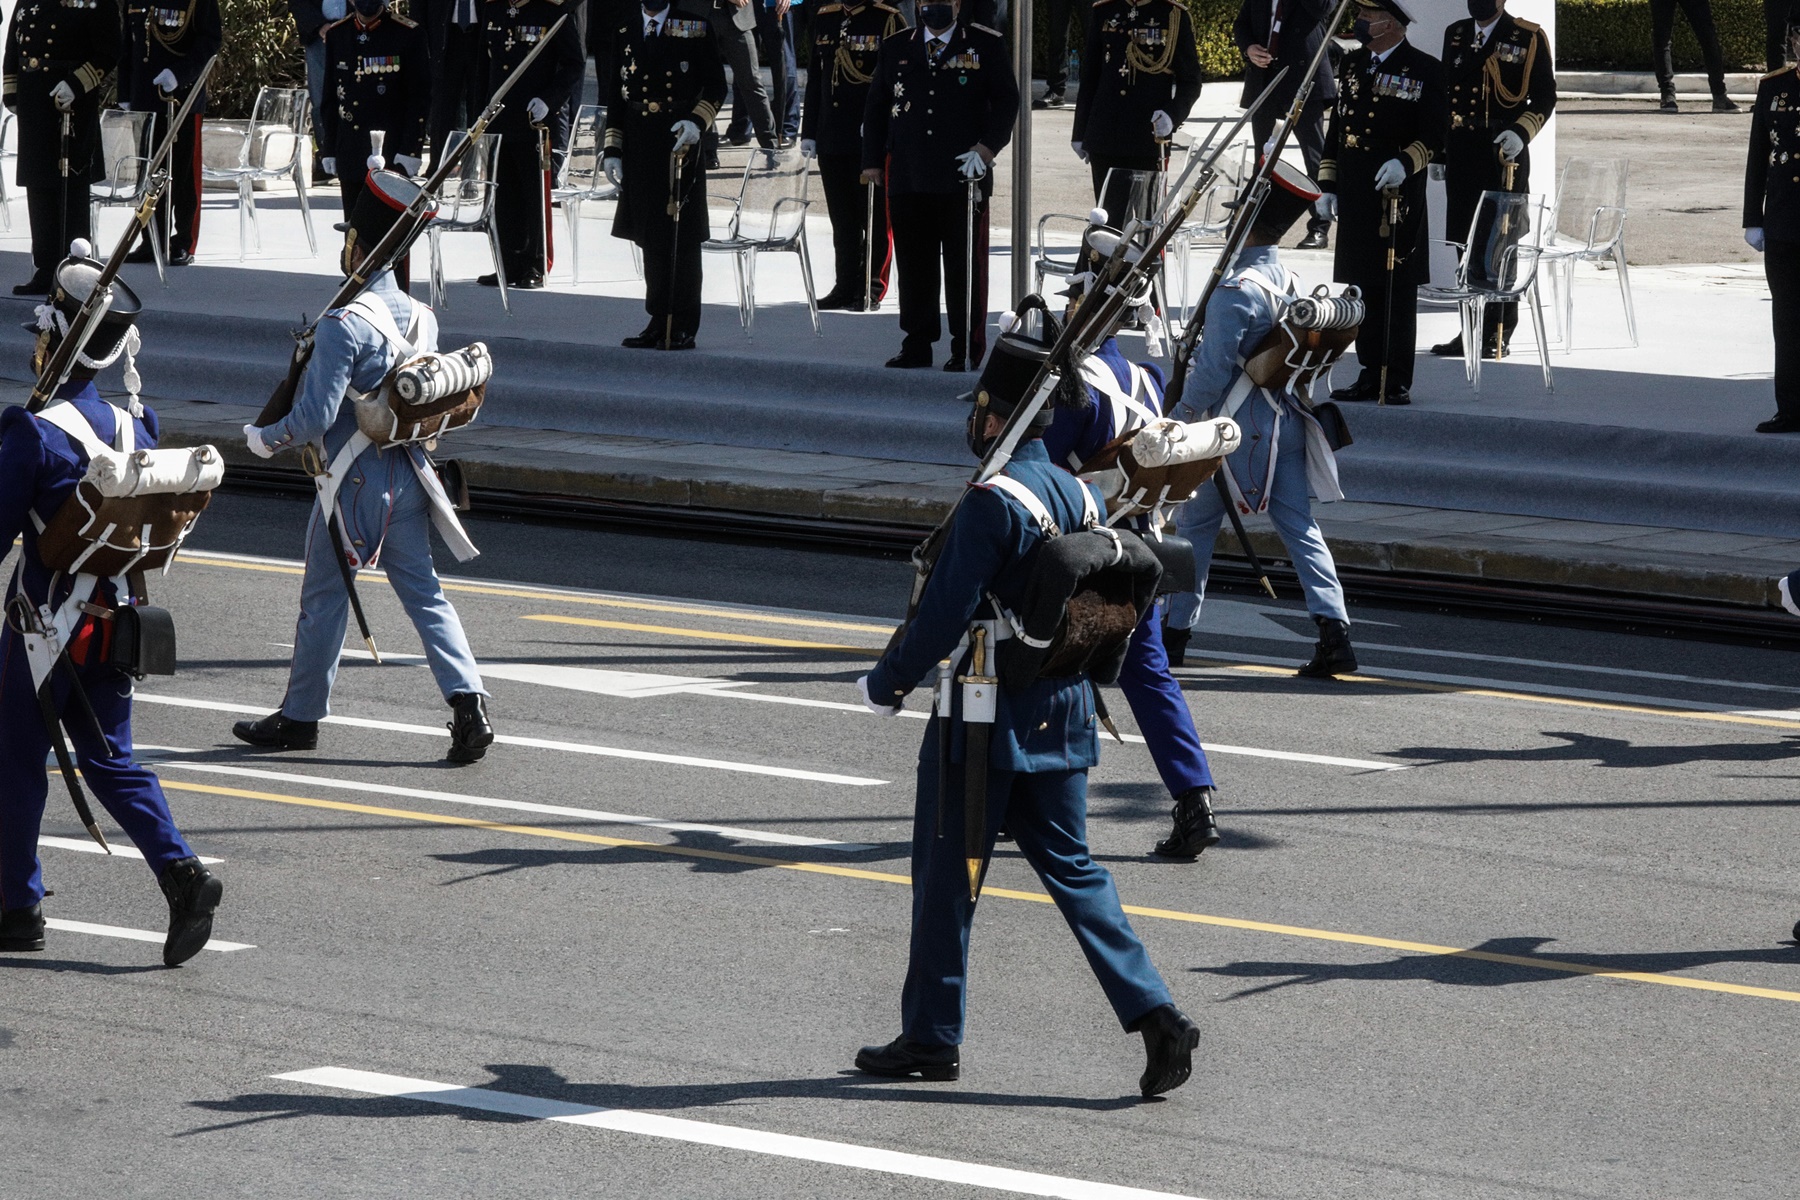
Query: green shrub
x=1219, y=56
x=1615, y=35
x=260, y=50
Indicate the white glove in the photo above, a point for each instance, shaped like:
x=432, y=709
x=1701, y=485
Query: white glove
x=1080, y=150
x=615, y=171
x=808, y=148
x=686, y=134
x=1161, y=124
x=408, y=164
x=166, y=82
x=63, y=95
x=330, y=164
x=1326, y=206
x=1753, y=237
x=254, y=439
x=537, y=110
x=880, y=710
x=1511, y=145
x=969, y=164
x=1391, y=175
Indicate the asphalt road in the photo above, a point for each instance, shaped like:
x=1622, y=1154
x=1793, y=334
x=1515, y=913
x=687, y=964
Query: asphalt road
x=1392, y=956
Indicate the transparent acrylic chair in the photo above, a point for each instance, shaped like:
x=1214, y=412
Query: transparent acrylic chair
x=1589, y=226
x=125, y=152
x=1499, y=266
x=768, y=216
x=467, y=206
x=7, y=122
x=1205, y=228
x=584, y=178
x=274, y=140
x=1135, y=195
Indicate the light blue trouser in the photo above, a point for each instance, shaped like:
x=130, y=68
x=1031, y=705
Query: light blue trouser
x=315, y=78
x=1290, y=508
x=406, y=556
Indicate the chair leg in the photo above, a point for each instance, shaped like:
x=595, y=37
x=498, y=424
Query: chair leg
x=572, y=214
x=637, y=259
x=750, y=292
x=437, y=268
x=1625, y=291
x=1474, y=315
x=1537, y=324
x=312, y=240
x=1567, y=297
x=812, y=300
x=737, y=275
x=493, y=232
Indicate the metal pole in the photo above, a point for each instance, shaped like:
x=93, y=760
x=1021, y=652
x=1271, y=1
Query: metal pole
x=1021, y=148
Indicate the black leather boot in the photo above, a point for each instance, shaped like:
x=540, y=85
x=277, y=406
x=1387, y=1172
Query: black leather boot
x=901, y=1059
x=22, y=929
x=1195, y=828
x=1333, y=655
x=1175, y=644
x=1169, y=1042
x=193, y=893
x=279, y=732
x=470, y=733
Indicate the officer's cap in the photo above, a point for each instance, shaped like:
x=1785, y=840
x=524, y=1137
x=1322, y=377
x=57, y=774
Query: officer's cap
x=379, y=206
x=1397, y=9
x=72, y=284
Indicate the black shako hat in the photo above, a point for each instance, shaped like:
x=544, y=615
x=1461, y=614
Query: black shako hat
x=379, y=207
x=1389, y=6
x=71, y=285
x=1012, y=365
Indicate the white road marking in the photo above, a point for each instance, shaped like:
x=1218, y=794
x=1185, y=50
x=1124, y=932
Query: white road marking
x=133, y=935
x=1584, y=668
x=90, y=846
x=630, y=685
x=680, y=760
x=730, y=1137
x=554, y=810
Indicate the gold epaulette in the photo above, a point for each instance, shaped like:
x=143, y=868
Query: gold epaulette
x=403, y=22
x=1779, y=71
x=829, y=8
x=886, y=8
x=1527, y=26
x=1102, y=3
x=986, y=30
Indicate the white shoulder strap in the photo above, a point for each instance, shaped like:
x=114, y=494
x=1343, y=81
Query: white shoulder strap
x=1100, y=377
x=68, y=418
x=1033, y=505
x=375, y=311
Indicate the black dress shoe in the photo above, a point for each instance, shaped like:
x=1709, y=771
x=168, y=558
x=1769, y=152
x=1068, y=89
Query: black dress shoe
x=141, y=253
x=737, y=139
x=1724, y=104
x=491, y=279
x=470, y=732
x=902, y=1059
x=1334, y=654
x=650, y=339
x=193, y=893
x=1170, y=1039
x=1667, y=104
x=279, y=732
x=1780, y=423
x=1396, y=395
x=833, y=301
x=1450, y=349
x=1175, y=644
x=1315, y=239
x=1049, y=100
x=955, y=363
x=1195, y=828
x=1358, y=392
x=678, y=340
x=37, y=285
x=181, y=258
x=909, y=359
x=531, y=282
x=22, y=929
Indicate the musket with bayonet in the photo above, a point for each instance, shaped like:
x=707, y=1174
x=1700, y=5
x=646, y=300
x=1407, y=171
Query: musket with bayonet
x=56, y=370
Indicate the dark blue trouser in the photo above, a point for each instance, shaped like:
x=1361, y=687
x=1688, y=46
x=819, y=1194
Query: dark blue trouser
x=127, y=791
x=1046, y=814
x=1161, y=709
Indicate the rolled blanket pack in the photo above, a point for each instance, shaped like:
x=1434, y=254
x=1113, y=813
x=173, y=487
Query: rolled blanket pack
x=1167, y=442
x=431, y=377
x=155, y=472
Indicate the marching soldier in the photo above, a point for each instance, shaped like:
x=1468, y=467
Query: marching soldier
x=522, y=197
x=1283, y=456
x=377, y=76
x=846, y=45
x=1041, y=744
x=1772, y=224
x=1387, y=125
x=1122, y=396
x=1140, y=77
x=940, y=108
x=385, y=498
x=667, y=89
x=1501, y=84
x=43, y=456
x=57, y=54
x=166, y=48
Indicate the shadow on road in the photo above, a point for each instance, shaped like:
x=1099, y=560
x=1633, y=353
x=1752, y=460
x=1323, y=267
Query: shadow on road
x=1607, y=752
x=1465, y=970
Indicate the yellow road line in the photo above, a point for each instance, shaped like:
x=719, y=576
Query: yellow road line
x=709, y=635
x=1164, y=914
x=1460, y=689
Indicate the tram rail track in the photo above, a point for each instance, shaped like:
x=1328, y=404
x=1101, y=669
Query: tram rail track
x=1572, y=606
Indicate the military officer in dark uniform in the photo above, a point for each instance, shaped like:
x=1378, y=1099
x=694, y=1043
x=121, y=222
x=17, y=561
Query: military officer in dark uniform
x=1388, y=123
x=1772, y=224
x=940, y=108
x=1285, y=34
x=377, y=76
x=57, y=54
x=667, y=87
x=522, y=198
x=846, y=44
x=166, y=48
x=458, y=57
x=1043, y=739
x=1140, y=77
x=1501, y=84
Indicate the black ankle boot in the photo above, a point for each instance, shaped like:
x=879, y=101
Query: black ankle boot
x=1169, y=1042
x=1175, y=644
x=901, y=1059
x=279, y=732
x=1333, y=655
x=193, y=893
x=470, y=732
x=1195, y=828
x=22, y=929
